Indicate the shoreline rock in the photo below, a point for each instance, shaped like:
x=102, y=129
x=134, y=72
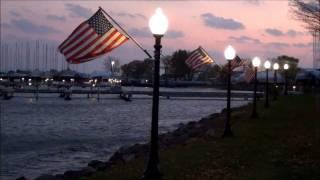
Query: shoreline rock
x=202, y=128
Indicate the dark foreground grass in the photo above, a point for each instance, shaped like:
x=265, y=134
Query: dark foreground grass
x=284, y=143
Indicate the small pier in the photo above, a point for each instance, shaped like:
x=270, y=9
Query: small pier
x=129, y=94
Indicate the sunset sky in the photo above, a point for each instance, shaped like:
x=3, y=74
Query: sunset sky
x=253, y=27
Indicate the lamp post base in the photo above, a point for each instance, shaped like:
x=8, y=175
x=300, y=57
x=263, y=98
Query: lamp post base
x=254, y=115
x=227, y=132
x=152, y=175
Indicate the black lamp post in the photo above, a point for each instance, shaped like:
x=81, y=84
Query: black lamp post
x=267, y=66
x=229, y=54
x=275, y=88
x=286, y=67
x=158, y=25
x=256, y=63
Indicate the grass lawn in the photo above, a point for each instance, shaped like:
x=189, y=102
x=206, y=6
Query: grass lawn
x=284, y=143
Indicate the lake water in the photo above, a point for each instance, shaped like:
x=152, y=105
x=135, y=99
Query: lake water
x=50, y=136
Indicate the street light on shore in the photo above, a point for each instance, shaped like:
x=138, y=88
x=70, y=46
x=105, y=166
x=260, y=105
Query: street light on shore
x=275, y=68
x=229, y=54
x=112, y=64
x=256, y=63
x=267, y=66
x=158, y=24
x=286, y=67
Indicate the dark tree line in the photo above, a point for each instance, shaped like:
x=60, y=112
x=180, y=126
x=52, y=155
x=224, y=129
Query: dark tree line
x=138, y=69
x=174, y=66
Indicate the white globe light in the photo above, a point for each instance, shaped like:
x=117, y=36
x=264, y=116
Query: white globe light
x=267, y=64
x=275, y=66
x=229, y=53
x=158, y=23
x=286, y=66
x=256, y=61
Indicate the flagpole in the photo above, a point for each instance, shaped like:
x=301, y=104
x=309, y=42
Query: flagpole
x=144, y=50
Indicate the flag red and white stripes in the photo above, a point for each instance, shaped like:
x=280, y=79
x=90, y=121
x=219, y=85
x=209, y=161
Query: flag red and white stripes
x=197, y=58
x=237, y=62
x=91, y=39
x=248, y=74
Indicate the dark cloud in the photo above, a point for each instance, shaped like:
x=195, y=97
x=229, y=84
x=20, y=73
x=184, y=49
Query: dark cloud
x=277, y=45
x=245, y=39
x=29, y=27
x=293, y=33
x=277, y=32
x=213, y=21
x=174, y=34
x=14, y=13
x=130, y=15
x=302, y=45
x=56, y=18
x=78, y=11
x=274, y=32
x=145, y=32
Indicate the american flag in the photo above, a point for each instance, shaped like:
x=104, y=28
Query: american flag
x=197, y=58
x=237, y=62
x=91, y=39
x=248, y=74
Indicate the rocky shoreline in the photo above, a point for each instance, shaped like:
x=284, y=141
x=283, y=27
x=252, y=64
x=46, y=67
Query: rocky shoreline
x=205, y=127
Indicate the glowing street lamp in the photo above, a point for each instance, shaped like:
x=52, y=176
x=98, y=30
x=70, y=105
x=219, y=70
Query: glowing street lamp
x=158, y=25
x=229, y=54
x=267, y=66
x=256, y=63
x=112, y=64
x=275, y=69
x=286, y=67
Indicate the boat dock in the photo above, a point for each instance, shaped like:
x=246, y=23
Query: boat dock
x=131, y=93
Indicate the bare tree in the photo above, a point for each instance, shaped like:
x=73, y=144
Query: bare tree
x=308, y=12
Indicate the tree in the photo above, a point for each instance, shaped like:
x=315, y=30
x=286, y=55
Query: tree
x=214, y=71
x=178, y=65
x=138, y=69
x=223, y=73
x=293, y=65
x=148, y=68
x=126, y=71
x=166, y=60
x=307, y=12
